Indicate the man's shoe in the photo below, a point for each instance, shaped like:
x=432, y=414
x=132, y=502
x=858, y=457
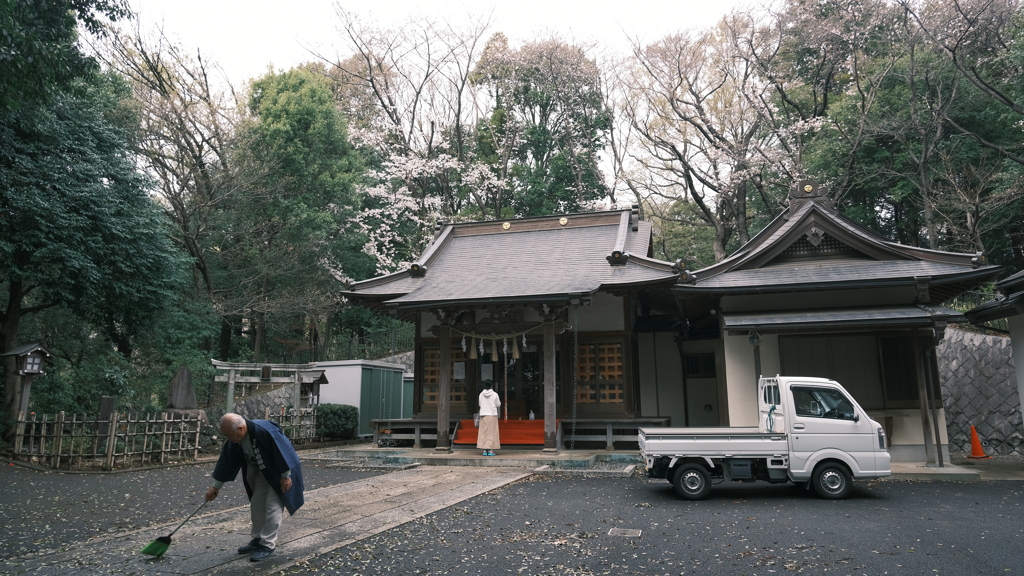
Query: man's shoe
x=251, y=547
x=262, y=554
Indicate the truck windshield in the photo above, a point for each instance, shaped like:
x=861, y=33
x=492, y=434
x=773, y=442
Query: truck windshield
x=821, y=403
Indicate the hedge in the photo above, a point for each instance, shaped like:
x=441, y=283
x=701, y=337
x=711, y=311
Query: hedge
x=337, y=421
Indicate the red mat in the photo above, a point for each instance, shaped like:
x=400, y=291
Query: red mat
x=509, y=432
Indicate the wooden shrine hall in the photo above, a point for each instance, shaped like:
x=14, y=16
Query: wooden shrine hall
x=577, y=324
x=543, y=307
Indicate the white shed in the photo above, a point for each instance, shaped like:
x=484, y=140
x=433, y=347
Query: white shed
x=378, y=389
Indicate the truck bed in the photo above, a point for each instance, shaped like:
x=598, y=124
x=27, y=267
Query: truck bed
x=711, y=441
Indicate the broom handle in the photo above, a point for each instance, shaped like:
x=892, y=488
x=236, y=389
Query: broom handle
x=186, y=518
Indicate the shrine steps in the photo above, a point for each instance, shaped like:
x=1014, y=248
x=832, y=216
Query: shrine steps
x=510, y=433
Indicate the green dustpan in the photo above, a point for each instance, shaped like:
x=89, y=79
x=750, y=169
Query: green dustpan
x=160, y=545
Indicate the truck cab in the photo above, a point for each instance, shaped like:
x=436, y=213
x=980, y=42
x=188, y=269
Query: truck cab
x=822, y=421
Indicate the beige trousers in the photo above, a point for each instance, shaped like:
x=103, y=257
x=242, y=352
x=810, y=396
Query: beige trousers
x=265, y=509
x=487, y=435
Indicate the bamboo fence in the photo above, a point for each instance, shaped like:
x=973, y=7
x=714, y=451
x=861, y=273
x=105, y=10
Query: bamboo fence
x=81, y=441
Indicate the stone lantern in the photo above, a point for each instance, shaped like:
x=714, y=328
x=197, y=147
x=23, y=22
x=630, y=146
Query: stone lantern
x=30, y=358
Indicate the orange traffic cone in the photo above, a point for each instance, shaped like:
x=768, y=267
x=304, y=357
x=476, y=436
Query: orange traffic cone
x=977, y=452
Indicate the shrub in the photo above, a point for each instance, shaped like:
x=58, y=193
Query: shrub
x=337, y=421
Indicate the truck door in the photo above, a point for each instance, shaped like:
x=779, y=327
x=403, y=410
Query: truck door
x=771, y=416
x=824, y=418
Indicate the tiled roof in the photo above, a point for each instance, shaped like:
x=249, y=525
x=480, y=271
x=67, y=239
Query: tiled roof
x=1011, y=283
x=531, y=259
x=838, y=318
x=782, y=257
x=820, y=272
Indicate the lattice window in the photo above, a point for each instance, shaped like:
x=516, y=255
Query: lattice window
x=432, y=377
x=429, y=395
x=587, y=362
x=601, y=373
x=458, y=392
x=586, y=393
x=610, y=361
x=612, y=393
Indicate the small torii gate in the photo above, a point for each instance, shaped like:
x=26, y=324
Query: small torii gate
x=253, y=373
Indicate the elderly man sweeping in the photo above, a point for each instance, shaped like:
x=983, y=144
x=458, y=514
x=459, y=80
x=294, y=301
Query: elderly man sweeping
x=270, y=472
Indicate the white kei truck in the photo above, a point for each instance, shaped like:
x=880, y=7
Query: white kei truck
x=811, y=432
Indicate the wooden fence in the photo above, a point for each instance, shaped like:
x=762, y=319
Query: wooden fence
x=299, y=425
x=83, y=441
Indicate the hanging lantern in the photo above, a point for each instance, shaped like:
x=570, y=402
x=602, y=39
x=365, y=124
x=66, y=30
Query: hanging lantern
x=515, y=349
x=494, y=350
x=472, y=349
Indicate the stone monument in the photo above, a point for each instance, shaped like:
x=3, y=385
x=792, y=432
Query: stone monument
x=181, y=400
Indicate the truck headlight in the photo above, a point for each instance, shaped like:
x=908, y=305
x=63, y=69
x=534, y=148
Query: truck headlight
x=881, y=438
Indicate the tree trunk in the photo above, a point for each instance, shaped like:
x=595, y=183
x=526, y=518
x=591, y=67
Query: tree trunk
x=12, y=381
x=224, y=342
x=257, y=343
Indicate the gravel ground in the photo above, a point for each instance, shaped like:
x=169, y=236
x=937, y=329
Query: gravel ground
x=49, y=510
x=562, y=525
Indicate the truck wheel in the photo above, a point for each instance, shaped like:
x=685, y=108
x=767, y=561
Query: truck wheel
x=691, y=482
x=832, y=481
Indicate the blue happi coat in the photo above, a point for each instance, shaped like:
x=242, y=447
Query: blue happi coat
x=275, y=455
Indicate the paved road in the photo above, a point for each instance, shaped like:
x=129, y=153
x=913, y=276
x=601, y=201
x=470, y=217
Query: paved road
x=552, y=526
x=540, y=525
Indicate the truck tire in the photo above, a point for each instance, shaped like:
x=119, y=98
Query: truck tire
x=691, y=482
x=832, y=481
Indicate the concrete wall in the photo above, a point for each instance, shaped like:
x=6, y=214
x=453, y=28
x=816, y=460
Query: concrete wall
x=979, y=387
x=741, y=381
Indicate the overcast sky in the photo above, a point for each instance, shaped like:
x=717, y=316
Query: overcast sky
x=247, y=36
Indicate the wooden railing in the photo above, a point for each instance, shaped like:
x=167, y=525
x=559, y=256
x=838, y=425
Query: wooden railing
x=82, y=441
x=414, y=431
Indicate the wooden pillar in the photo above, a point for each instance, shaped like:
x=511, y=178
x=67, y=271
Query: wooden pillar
x=550, y=435
x=922, y=394
x=444, y=389
x=932, y=385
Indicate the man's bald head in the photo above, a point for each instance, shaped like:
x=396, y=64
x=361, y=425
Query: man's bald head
x=233, y=427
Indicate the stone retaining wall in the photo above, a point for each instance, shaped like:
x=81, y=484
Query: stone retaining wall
x=979, y=387
x=407, y=359
x=254, y=407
